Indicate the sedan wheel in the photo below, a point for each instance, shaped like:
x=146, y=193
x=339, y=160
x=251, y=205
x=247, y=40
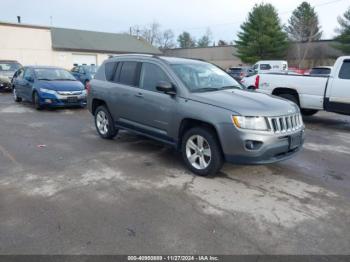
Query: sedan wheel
x=15, y=96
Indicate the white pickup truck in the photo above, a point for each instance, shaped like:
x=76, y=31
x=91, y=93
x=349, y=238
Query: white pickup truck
x=311, y=93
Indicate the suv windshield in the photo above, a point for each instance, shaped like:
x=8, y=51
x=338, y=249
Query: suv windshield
x=8, y=66
x=51, y=74
x=202, y=77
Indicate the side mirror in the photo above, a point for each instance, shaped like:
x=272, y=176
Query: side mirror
x=166, y=87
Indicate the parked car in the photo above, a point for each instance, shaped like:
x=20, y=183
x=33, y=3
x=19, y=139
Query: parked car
x=84, y=73
x=239, y=72
x=48, y=86
x=311, y=93
x=7, y=70
x=265, y=66
x=320, y=71
x=195, y=107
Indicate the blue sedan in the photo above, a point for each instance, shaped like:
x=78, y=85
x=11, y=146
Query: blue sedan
x=48, y=87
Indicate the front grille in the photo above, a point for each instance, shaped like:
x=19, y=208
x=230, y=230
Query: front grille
x=283, y=124
x=67, y=93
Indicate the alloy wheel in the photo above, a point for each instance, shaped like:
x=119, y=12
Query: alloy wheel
x=102, y=122
x=198, y=152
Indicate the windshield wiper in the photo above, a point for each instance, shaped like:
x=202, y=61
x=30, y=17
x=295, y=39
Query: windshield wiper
x=229, y=87
x=64, y=79
x=45, y=79
x=206, y=89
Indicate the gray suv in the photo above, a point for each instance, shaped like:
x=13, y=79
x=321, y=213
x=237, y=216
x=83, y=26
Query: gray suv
x=195, y=107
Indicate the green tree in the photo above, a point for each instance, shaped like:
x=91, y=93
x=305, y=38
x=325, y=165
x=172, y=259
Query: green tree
x=186, y=40
x=205, y=40
x=344, y=33
x=261, y=36
x=303, y=25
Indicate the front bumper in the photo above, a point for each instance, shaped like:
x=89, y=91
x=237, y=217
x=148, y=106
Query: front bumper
x=50, y=100
x=5, y=86
x=272, y=147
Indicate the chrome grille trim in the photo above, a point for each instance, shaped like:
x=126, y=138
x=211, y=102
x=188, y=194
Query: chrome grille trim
x=67, y=93
x=286, y=123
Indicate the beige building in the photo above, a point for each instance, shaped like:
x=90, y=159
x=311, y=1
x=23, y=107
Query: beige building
x=303, y=55
x=223, y=56
x=40, y=45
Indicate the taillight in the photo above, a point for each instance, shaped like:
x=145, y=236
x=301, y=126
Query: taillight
x=257, y=82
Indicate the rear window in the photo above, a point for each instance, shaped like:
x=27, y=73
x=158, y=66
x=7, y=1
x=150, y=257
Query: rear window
x=110, y=69
x=128, y=73
x=320, y=71
x=345, y=70
x=9, y=66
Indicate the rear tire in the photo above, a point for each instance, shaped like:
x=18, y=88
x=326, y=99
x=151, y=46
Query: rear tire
x=104, y=123
x=308, y=112
x=201, y=151
x=36, y=101
x=15, y=96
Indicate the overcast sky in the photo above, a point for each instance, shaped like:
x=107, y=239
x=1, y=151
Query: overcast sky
x=223, y=17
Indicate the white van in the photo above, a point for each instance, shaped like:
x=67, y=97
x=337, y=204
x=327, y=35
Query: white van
x=265, y=66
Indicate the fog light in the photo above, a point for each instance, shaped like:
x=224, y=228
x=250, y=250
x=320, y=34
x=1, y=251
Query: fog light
x=48, y=101
x=252, y=145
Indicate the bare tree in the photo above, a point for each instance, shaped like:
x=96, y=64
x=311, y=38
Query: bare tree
x=151, y=33
x=166, y=40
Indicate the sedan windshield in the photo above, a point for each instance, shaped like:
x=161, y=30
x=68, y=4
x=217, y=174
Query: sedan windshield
x=9, y=66
x=92, y=69
x=203, y=77
x=51, y=74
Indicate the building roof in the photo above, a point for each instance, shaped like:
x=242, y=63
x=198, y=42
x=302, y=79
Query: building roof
x=91, y=41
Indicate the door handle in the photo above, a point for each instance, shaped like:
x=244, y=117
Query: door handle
x=140, y=95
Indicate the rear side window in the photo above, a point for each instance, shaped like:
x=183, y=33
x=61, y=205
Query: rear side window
x=345, y=70
x=129, y=73
x=265, y=67
x=151, y=74
x=110, y=69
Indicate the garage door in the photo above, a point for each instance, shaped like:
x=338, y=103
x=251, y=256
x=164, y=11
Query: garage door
x=80, y=59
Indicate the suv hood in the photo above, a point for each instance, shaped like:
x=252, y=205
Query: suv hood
x=61, y=85
x=246, y=103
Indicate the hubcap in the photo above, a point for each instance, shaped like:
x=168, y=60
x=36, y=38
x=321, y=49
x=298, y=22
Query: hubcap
x=198, y=152
x=102, y=122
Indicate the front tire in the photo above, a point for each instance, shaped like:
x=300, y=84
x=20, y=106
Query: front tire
x=15, y=96
x=201, y=151
x=36, y=101
x=104, y=123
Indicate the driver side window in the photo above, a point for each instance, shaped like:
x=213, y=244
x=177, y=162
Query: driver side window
x=151, y=74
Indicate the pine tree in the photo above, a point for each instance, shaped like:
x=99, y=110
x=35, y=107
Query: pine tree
x=261, y=36
x=303, y=24
x=344, y=33
x=186, y=41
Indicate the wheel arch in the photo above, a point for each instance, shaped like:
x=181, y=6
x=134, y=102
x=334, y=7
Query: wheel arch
x=96, y=102
x=188, y=123
x=284, y=90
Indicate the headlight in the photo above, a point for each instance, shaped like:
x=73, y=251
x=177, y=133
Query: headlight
x=48, y=91
x=250, y=122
